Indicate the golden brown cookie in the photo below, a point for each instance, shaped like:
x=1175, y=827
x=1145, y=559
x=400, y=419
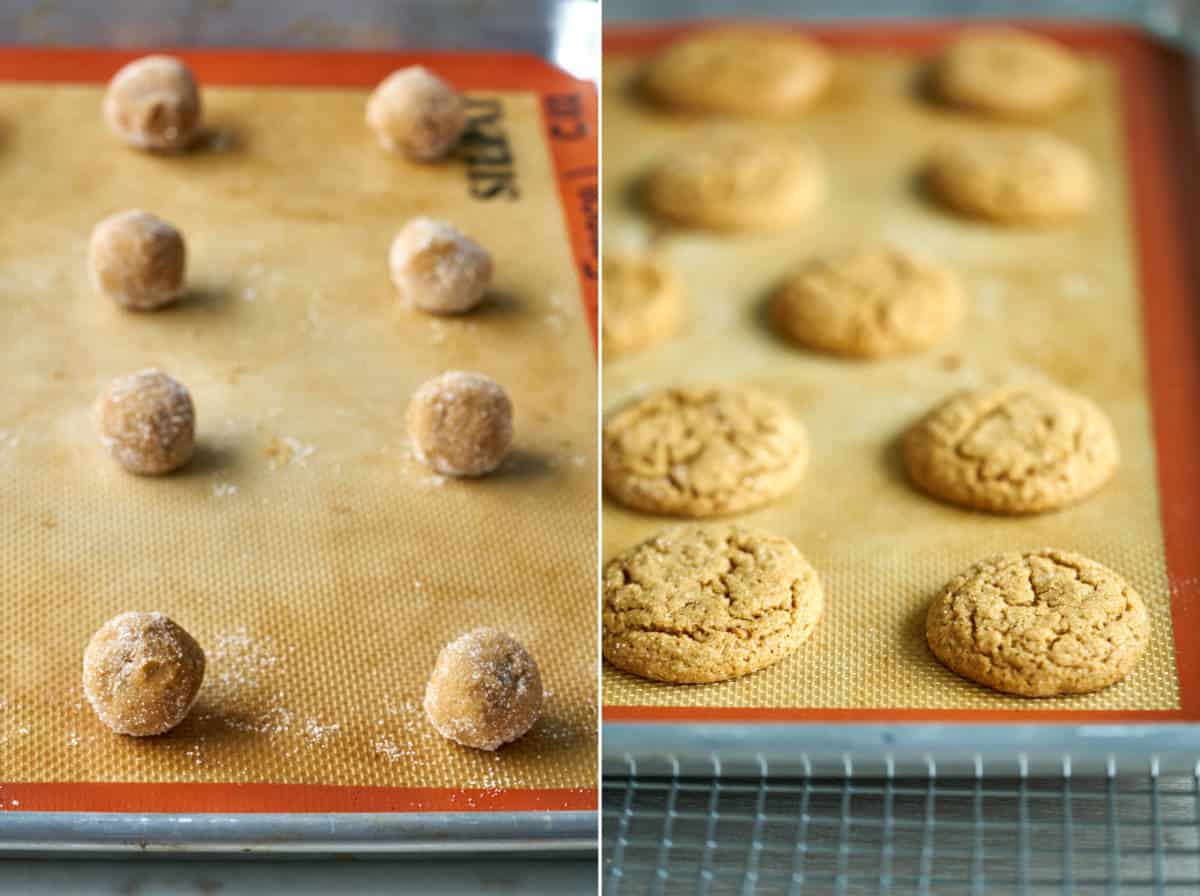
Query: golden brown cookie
x=1012, y=449
x=1007, y=73
x=1017, y=179
x=737, y=180
x=699, y=604
x=739, y=71
x=1041, y=624
x=702, y=451
x=643, y=303
x=871, y=302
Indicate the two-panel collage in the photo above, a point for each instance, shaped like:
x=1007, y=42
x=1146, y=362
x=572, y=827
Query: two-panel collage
x=599, y=447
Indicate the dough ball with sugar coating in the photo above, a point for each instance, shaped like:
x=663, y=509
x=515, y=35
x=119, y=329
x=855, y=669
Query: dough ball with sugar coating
x=147, y=422
x=153, y=103
x=485, y=690
x=138, y=260
x=141, y=673
x=461, y=424
x=438, y=268
x=416, y=113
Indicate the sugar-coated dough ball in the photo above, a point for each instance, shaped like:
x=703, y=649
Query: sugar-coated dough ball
x=147, y=422
x=141, y=673
x=485, y=690
x=137, y=259
x=439, y=268
x=153, y=103
x=415, y=112
x=460, y=423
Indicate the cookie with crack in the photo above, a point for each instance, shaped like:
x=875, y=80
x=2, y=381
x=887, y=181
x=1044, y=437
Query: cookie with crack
x=1012, y=449
x=767, y=73
x=869, y=302
x=701, y=604
x=1018, y=179
x=1041, y=624
x=702, y=451
x=643, y=303
x=1007, y=73
x=737, y=180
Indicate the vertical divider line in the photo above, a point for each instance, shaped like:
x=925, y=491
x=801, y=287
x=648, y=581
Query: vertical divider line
x=977, y=881
x=662, y=870
x=924, y=883
x=750, y=882
x=710, y=829
x=888, y=847
x=843, y=849
x=1023, y=825
x=800, y=850
x=1112, y=831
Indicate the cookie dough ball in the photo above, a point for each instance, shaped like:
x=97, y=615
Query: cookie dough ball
x=141, y=673
x=700, y=604
x=137, y=259
x=1007, y=73
x=1012, y=449
x=1025, y=179
x=643, y=303
x=153, y=103
x=1041, y=624
x=485, y=690
x=438, y=268
x=416, y=113
x=872, y=302
x=735, y=180
x=739, y=71
x=461, y=424
x=703, y=451
x=147, y=422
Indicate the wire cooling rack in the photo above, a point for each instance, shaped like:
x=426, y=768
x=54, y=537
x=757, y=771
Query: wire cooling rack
x=1130, y=831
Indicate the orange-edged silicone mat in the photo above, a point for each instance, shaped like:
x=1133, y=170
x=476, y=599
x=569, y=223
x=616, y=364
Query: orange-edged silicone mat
x=318, y=563
x=1106, y=306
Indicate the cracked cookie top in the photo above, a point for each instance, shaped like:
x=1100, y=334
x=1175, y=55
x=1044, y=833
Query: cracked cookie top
x=868, y=302
x=1040, y=624
x=739, y=71
x=701, y=604
x=702, y=451
x=1012, y=449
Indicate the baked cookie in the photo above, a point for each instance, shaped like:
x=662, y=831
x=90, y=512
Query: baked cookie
x=643, y=303
x=871, y=302
x=703, y=451
x=700, y=604
x=1007, y=73
x=1018, y=179
x=1012, y=449
x=739, y=71
x=737, y=180
x=1041, y=624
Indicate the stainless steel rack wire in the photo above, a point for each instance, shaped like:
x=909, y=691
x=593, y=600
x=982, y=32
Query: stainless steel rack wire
x=1129, y=831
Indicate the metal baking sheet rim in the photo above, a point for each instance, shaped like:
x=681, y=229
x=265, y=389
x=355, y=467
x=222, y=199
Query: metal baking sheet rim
x=375, y=833
x=782, y=748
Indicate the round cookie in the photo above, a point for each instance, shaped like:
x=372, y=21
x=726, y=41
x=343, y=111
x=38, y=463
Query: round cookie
x=153, y=104
x=416, y=113
x=1012, y=449
x=485, y=690
x=147, y=422
x=737, y=180
x=870, y=302
x=1007, y=73
x=643, y=303
x=438, y=268
x=461, y=423
x=137, y=260
x=739, y=71
x=1041, y=624
x=141, y=673
x=702, y=451
x=1023, y=179
x=700, y=604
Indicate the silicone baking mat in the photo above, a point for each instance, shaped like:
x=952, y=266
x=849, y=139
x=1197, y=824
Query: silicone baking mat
x=321, y=566
x=1100, y=306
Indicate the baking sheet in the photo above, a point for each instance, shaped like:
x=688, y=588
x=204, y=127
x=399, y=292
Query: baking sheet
x=1060, y=304
x=318, y=563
